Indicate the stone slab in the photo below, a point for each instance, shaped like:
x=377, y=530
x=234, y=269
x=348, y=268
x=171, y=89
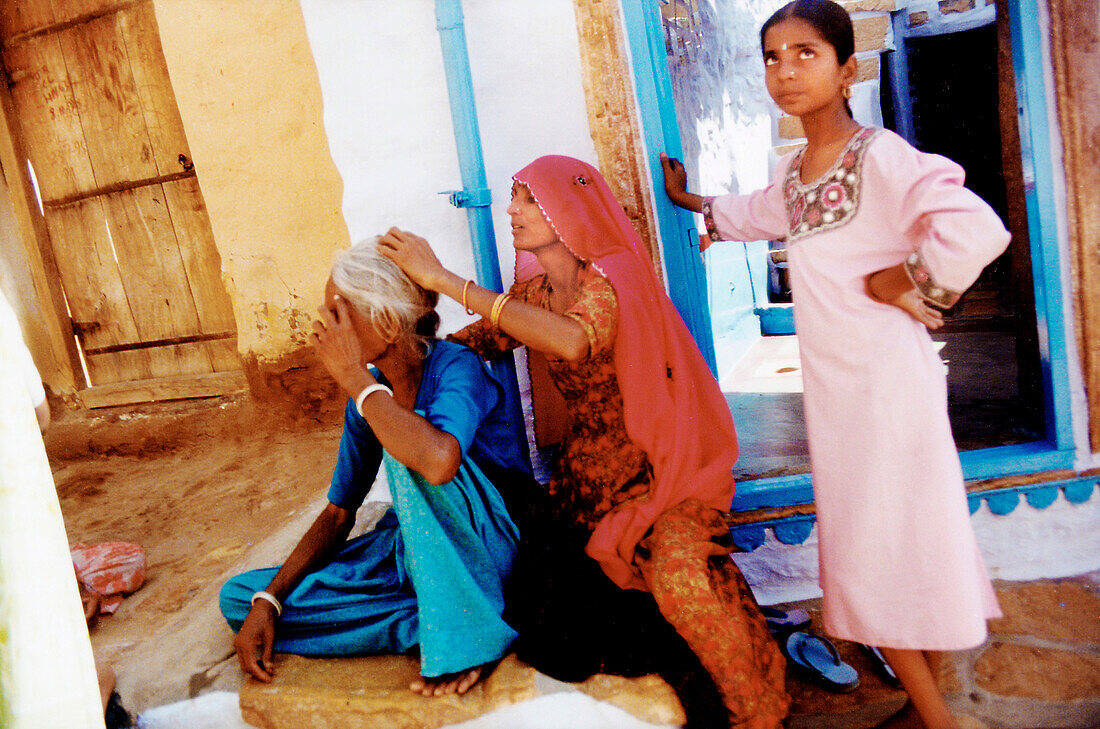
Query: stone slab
x=1028, y=671
x=648, y=698
x=1064, y=610
x=372, y=692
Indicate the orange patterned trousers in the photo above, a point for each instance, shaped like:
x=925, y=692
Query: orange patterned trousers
x=702, y=593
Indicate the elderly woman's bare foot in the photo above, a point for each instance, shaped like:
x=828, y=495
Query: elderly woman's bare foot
x=449, y=683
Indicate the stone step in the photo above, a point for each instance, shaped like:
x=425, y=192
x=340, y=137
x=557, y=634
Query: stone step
x=372, y=692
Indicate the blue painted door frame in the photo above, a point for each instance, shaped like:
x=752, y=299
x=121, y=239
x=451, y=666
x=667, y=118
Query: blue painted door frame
x=686, y=276
x=679, y=240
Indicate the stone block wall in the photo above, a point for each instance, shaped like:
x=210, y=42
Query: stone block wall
x=931, y=17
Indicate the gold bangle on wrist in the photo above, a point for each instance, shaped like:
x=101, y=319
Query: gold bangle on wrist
x=465, y=288
x=498, y=307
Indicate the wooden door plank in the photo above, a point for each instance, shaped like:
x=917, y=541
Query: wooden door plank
x=107, y=101
x=19, y=16
x=155, y=279
x=48, y=120
x=66, y=10
x=138, y=28
x=41, y=262
x=202, y=264
x=167, y=388
x=150, y=264
x=154, y=276
x=94, y=289
x=224, y=355
x=173, y=360
x=97, y=110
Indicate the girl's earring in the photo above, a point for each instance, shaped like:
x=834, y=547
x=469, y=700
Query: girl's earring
x=847, y=92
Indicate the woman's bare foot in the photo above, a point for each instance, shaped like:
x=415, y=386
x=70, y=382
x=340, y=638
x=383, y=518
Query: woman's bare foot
x=449, y=683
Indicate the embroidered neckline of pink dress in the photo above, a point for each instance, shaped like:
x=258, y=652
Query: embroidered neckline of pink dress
x=831, y=199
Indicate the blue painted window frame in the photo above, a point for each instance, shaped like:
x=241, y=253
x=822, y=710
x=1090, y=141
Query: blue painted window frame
x=686, y=276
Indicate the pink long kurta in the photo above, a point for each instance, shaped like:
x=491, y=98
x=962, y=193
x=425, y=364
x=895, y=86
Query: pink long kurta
x=899, y=563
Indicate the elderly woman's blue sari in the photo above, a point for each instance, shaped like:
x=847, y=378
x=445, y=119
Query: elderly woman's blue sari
x=432, y=572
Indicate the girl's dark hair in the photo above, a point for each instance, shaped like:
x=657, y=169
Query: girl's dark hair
x=830, y=20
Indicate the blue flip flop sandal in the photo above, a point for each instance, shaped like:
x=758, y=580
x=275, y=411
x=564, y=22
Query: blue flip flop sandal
x=817, y=659
x=782, y=621
x=882, y=667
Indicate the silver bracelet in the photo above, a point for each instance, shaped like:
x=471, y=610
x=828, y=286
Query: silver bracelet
x=265, y=595
x=370, y=389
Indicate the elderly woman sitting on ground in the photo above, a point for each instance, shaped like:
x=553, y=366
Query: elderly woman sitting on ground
x=431, y=573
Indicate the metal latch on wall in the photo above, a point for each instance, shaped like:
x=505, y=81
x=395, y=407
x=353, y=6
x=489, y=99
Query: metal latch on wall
x=479, y=197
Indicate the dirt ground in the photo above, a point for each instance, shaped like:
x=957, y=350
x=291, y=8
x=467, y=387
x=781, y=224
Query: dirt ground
x=196, y=483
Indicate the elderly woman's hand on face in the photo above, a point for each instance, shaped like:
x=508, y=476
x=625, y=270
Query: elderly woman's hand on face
x=337, y=345
x=415, y=257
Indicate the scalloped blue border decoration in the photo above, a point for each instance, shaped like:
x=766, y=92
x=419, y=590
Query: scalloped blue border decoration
x=795, y=530
x=1002, y=502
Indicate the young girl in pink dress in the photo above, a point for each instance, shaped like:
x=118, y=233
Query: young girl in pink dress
x=880, y=239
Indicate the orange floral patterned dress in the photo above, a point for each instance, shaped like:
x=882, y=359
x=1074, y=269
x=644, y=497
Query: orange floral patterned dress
x=598, y=466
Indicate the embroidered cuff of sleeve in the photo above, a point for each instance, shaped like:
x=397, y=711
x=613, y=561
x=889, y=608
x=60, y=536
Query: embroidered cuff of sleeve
x=708, y=219
x=930, y=291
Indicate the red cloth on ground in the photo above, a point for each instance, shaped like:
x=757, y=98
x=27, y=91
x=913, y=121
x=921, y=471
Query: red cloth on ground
x=112, y=569
x=673, y=407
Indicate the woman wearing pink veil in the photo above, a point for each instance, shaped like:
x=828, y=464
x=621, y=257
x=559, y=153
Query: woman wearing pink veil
x=632, y=520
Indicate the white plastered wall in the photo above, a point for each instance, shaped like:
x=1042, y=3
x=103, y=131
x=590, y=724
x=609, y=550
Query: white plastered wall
x=388, y=120
x=387, y=113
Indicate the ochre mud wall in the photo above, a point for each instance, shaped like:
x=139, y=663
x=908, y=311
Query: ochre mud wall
x=248, y=93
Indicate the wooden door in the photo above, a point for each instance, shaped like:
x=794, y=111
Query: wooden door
x=126, y=222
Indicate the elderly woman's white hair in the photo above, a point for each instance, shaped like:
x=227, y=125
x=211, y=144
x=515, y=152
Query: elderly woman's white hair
x=397, y=308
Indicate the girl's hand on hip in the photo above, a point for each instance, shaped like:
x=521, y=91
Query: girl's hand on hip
x=912, y=303
x=414, y=256
x=892, y=286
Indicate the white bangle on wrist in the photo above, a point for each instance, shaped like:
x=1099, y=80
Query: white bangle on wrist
x=370, y=389
x=265, y=595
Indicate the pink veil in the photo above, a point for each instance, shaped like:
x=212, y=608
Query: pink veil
x=673, y=407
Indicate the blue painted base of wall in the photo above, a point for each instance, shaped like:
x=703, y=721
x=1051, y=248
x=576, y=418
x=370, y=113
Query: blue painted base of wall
x=796, y=529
